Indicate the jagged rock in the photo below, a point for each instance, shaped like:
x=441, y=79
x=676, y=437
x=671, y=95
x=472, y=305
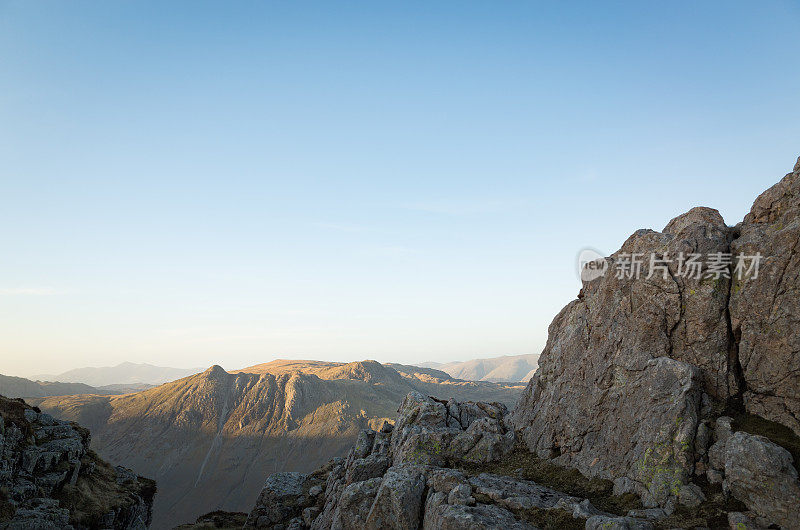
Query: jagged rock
x=760, y=474
x=49, y=478
x=430, y=431
x=765, y=310
x=397, y=498
x=398, y=503
x=355, y=504
x=284, y=497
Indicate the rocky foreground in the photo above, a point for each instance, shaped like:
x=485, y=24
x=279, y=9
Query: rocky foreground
x=662, y=401
x=49, y=479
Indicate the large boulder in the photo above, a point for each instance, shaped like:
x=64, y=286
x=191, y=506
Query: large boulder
x=765, y=307
x=620, y=382
x=760, y=474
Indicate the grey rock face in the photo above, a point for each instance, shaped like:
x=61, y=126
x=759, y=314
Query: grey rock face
x=765, y=310
x=761, y=474
x=657, y=407
x=48, y=477
x=638, y=354
x=284, y=497
x=398, y=502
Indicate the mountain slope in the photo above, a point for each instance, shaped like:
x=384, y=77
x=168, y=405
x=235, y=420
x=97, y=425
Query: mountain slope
x=211, y=438
x=125, y=373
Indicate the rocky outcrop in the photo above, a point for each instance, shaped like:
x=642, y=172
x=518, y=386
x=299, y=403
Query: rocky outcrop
x=765, y=308
x=630, y=388
x=49, y=478
x=405, y=476
x=634, y=367
x=619, y=389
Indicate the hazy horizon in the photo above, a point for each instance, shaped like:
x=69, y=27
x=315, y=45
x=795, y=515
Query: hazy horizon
x=186, y=184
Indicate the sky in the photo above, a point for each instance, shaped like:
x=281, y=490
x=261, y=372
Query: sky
x=197, y=183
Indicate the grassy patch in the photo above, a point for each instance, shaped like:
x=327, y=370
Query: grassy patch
x=97, y=493
x=775, y=432
x=713, y=513
x=520, y=463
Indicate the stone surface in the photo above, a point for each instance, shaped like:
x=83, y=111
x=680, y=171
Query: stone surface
x=765, y=310
x=442, y=516
x=398, y=503
x=657, y=409
x=760, y=474
x=284, y=497
x=49, y=479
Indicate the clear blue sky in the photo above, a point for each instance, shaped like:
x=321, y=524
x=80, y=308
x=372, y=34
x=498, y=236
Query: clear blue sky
x=188, y=183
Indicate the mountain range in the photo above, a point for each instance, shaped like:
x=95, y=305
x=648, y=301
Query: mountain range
x=210, y=439
x=126, y=373
x=14, y=387
x=496, y=369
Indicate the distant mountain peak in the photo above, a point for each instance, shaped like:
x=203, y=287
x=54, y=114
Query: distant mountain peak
x=215, y=369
